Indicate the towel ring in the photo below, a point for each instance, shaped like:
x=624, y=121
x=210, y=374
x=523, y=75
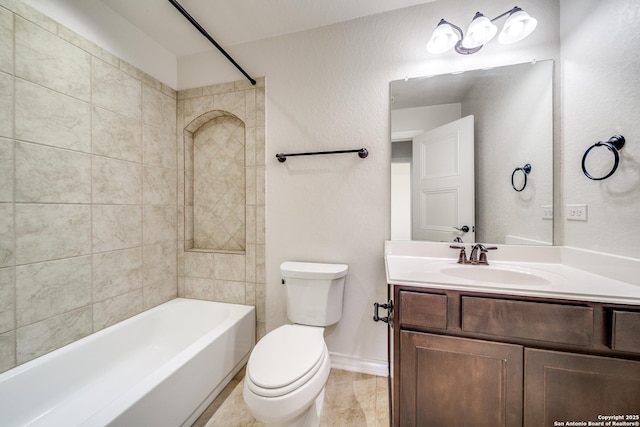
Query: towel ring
x=526, y=169
x=615, y=143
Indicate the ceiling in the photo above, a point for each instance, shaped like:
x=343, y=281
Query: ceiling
x=232, y=22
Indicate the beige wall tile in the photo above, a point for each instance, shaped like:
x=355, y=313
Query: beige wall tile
x=51, y=175
x=6, y=170
x=260, y=264
x=7, y=351
x=51, y=118
x=7, y=308
x=195, y=107
x=250, y=146
x=42, y=337
x=115, y=90
x=6, y=234
x=47, y=289
x=158, y=109
x=250, y=263
x=6, y=105
x=232, y=102
x=260, y=109
x=159, y=224
x=218, y=88
x=117, y=136
x=229, y=291
x=159, y=147
x=260, y=221
x=159, y=262
x=229, y=266
x=116, y=227
x=260, y=144
x=6, y=41
x=199, y=288
x=160, y=291
x=67, y=71
x=116, y=181
x=250, y=107
x=21, y=8
x=159, y=186
x=251, y=224
x=199, y=264
x=116, y=273
x=45, y=232
x=114, y=310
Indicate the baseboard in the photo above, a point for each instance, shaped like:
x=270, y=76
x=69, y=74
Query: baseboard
x=357, y=364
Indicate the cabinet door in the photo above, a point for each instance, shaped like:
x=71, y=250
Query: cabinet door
x=561, y=387
x=450, y=381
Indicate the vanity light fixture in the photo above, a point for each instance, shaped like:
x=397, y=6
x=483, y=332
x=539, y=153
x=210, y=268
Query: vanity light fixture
x=481, y=30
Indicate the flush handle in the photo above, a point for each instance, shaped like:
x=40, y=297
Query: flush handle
x=388, y=306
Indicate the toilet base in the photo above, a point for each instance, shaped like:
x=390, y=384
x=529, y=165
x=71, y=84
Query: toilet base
x=309, y=418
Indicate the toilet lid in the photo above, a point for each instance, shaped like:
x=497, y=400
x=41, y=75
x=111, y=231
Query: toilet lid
x=285, y=355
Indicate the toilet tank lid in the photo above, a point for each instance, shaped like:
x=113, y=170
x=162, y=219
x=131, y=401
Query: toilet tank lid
x=313, y=270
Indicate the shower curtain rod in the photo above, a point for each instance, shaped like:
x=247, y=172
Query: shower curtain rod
x=204, y=33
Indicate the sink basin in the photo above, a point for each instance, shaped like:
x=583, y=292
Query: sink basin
x=497, y=275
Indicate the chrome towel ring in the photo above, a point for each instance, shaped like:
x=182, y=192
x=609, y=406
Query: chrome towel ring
x=615, y=143
x=526, y=169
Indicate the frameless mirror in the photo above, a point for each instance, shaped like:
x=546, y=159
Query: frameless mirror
x=472, y=156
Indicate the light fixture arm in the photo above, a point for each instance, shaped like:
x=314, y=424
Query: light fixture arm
x=508, y=12
x=458, y=47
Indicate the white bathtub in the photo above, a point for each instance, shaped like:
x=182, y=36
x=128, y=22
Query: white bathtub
x=162, y=367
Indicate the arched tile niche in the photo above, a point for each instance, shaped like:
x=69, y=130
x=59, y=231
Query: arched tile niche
x=214, y=177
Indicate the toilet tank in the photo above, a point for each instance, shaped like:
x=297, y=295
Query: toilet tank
x=314, y=292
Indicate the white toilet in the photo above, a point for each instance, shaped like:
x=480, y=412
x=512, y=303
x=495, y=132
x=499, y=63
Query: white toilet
x=288, y=368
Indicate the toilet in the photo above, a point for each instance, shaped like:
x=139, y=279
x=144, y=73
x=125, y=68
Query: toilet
x=288, y=368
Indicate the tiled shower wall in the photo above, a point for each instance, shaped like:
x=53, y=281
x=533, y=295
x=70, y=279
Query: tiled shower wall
x=217, y=275
x=88, y=178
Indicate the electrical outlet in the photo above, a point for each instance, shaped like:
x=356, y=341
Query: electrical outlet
x=576, y=212
x=547, y=211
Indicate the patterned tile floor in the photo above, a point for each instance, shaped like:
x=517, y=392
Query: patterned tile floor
x=351, y=399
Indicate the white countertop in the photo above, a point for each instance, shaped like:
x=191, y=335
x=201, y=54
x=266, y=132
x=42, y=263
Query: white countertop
x=551, y=272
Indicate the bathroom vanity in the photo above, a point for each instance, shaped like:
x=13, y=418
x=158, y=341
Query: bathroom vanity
x=518, y=343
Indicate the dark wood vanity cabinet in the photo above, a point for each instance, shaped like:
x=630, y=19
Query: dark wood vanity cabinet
x=462, y=358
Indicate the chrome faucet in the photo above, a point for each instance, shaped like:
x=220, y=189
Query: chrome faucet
x=475, y=259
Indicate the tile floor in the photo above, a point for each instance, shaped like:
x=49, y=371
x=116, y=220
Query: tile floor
x=351, y=399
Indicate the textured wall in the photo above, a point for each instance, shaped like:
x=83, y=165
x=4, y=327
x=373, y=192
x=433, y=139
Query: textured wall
x=87, y=188
x=600, y=92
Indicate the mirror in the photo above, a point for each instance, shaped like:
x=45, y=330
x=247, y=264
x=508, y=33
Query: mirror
x=494, y=185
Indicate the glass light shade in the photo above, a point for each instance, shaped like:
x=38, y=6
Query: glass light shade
x=443, y=39
x=480, y=31
x=518, y=26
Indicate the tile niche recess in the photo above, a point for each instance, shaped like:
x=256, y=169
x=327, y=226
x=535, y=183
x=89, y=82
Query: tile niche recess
x=214, y=178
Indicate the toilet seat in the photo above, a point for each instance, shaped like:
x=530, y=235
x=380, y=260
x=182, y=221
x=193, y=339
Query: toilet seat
x=285, y=359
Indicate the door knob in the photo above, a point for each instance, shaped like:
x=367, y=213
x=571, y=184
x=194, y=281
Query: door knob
x=464, y=228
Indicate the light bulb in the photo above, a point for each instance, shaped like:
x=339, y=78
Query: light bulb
x=480, y=31
x=518, y=26
x=443, y=39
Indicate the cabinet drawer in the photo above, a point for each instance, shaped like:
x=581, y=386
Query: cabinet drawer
x=625, y=335
x=423, y=310
x=559, y=323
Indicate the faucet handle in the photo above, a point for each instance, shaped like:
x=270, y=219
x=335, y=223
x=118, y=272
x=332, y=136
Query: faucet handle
x=483, y=253
x=462, y=257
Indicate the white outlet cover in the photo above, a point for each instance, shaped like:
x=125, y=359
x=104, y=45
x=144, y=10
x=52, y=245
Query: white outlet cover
x=576, y=212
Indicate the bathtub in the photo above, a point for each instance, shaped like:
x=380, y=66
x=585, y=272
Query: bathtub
x=162, y=367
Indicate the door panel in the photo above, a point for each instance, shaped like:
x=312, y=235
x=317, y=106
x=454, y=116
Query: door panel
x=443, y=194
